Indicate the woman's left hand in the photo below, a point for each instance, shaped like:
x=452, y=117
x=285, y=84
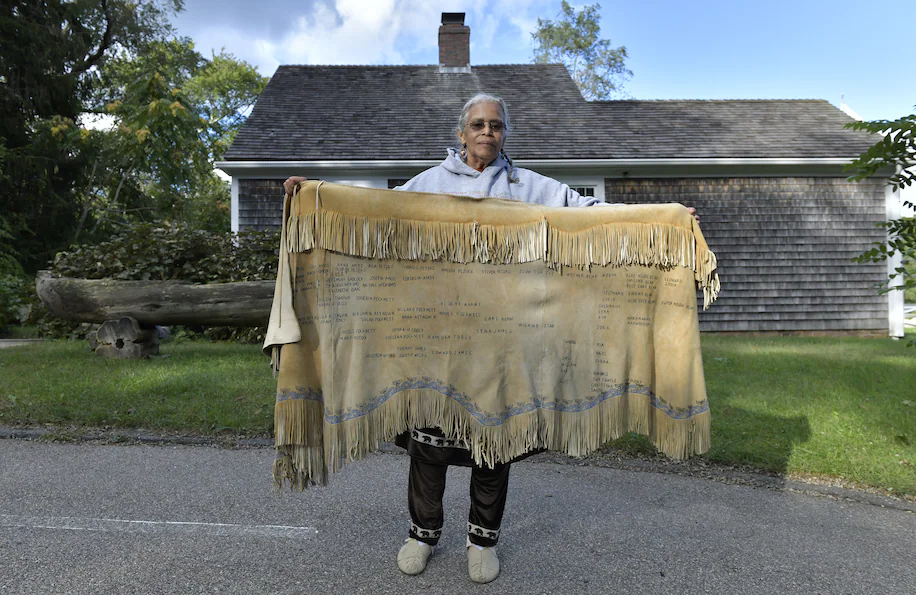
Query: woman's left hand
x=289, y=186
x=693, y=212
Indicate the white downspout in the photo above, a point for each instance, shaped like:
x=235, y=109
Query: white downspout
x=234, y=205
x=895, y=313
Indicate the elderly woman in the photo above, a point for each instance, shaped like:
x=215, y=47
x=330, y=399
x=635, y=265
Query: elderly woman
x=480, y=169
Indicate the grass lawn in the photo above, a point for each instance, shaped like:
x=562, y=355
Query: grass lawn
x=836, y=407
x=198, y=387
x=841, y=407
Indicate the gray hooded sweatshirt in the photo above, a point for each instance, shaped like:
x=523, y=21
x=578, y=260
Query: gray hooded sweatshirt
x=498, y=180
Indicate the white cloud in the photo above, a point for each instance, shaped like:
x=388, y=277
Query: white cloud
x=363, y=31
x=355, y=32
x=501, y=31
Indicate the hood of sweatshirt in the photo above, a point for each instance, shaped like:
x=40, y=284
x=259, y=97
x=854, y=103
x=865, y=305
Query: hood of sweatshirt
x=454, y=164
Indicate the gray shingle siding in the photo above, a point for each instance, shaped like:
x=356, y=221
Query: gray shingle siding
x=260, y=204
x=784, y=247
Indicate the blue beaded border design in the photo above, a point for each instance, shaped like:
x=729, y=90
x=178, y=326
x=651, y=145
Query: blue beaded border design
x=494, y=419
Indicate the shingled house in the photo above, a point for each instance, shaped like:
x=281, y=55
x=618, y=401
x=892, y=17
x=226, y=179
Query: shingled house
x=766, y=175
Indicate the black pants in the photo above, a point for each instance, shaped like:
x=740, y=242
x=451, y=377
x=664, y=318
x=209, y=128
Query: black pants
x=425, y=488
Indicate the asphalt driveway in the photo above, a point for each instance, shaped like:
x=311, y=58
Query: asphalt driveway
x=88, y=518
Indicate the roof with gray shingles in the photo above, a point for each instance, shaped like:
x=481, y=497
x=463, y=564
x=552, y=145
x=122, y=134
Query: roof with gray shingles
x=310, y=113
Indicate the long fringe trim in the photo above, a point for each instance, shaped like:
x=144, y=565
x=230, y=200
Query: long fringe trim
x=623, y=244
x=629, y=244
x=707, y=277
x=301, y=464
x=300, y=232
x=299, y=429
x=404, y=239
x=608, y=244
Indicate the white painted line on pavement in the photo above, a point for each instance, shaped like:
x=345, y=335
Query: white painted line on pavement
x=157, y=527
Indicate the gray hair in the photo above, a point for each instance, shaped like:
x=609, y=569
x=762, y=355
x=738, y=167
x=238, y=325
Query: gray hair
x=483, y=98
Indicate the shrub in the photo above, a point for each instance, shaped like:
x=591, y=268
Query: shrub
x=171, y=251
x=17, y=293
x=13, y=300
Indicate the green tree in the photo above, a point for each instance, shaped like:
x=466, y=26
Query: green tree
x=175, y=114
x=224, y=90
x=51, y=56
x=147, y=165
x=598, y=69
x=895, y=152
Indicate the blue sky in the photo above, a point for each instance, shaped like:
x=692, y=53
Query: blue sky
x=699, y=49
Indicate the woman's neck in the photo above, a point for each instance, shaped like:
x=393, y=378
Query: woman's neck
x=477, y=163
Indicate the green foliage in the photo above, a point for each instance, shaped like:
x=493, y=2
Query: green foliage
x=209, y=205
x=13, y=296
x=158, y=143
x=50, y=327
x=909, y=295
x=173, y=112
x=246, y=335
x=224, y=90
x=895, y=152
x=598, y=69
x=175, y=251
x=218, y=92
x=176, y=113
x=9, y=266
x=16, y=293
x=50, y=59
x=902, y=240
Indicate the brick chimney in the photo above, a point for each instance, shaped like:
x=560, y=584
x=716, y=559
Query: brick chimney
x=454, y=43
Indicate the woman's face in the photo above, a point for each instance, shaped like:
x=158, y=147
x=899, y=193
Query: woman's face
x=483, y=135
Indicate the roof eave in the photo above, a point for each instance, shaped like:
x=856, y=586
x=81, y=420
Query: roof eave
x=609, y=167
x=242, y=165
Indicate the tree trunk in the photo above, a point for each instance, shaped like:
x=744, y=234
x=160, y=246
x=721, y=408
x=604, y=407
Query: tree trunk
x=157, y=302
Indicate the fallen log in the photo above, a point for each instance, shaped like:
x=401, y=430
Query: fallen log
x=157, y=302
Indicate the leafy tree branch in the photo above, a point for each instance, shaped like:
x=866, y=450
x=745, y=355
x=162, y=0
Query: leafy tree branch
x=598, y=69
x=895, y=152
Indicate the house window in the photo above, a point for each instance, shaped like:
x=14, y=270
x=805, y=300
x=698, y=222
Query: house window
x=588, y=191
x=394, y=182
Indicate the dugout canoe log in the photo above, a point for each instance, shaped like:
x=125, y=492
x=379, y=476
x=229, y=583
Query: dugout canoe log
x=157, y=302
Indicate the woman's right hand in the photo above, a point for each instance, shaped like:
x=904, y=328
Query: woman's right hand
x=289, y=186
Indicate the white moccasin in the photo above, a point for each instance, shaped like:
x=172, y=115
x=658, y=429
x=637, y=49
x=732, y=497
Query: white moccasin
x=413, y=556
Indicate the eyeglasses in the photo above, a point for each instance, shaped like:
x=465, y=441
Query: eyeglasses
x=495, y=125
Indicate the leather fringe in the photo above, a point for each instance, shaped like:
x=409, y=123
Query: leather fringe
x=609, y=244
x=300, y=465
x=299, y=427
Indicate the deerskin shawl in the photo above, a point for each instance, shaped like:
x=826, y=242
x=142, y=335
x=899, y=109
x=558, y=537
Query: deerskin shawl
x=510, y=326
